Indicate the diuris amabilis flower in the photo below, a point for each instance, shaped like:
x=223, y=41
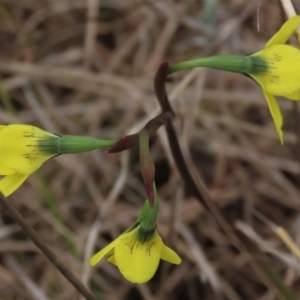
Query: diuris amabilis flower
x=282, y=74
x=276, y=68
x=24, y=148
x=136, y=257
x=138, y=251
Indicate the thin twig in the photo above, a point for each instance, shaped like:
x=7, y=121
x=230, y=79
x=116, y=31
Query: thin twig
x=90, y=33
x=45, y=249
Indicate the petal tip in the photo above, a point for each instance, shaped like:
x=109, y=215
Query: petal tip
x=281, y=139
x=170, y=255
x=94, y=261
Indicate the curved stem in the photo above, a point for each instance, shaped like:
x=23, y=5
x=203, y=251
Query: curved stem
x=195, y=188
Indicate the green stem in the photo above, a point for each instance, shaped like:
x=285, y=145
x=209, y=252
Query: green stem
x=232, y=63
x=148, y=215
x=74, y=144
x=65, y=144
x=147, y=165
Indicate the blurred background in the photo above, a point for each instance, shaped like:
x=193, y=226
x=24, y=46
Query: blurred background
x=86, y=67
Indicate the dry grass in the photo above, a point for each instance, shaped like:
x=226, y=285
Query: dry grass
x=72, y=67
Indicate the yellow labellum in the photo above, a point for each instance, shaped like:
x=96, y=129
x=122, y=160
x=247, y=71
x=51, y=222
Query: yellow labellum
x=282, y=77
x=19, y=154
x=136, y=260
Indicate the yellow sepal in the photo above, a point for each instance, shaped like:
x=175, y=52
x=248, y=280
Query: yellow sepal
x=105, y=251
x=276, y=114
x=10, y=183
x=169, y=255
x=285, y=32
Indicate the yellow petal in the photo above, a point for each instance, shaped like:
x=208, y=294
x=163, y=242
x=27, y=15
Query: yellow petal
x=112, y=259
x=276, y=114
x=285, y=31
x=105, y=251
x=169, y=255
x=18, y=148
x=2, y=126
x=138, y=261
x=4, y=170
x=10, y=183
x=283, y=75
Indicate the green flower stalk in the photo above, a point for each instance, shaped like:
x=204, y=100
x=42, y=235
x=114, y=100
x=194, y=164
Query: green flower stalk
x=141, y=139
x=276, y=68
x=147, y=165
x=232, y=63
x=138, y=251
x=24, y=148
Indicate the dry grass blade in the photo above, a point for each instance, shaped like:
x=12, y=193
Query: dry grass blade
x=281, y=290
x=281, y=233
x=35, y=292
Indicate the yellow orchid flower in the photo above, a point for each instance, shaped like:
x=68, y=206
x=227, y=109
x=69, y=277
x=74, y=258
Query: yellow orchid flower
x=138, y=251
x=282, y=77
x=21, y=154
x=136, y=257
x=24, y=148
x=276, y=68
